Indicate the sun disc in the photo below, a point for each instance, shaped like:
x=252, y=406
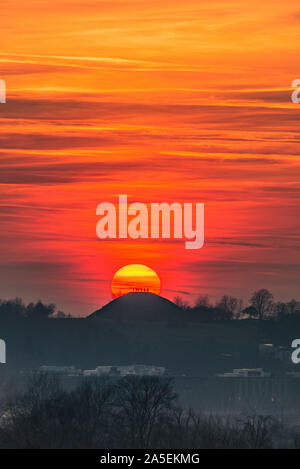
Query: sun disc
x=135, y=278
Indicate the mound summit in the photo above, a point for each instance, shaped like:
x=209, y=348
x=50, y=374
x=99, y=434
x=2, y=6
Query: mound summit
x=139, y=307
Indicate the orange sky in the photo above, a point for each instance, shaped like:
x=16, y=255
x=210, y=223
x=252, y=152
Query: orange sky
x=163, y=101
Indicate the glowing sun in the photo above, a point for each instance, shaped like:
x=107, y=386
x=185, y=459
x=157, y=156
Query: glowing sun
x=135, y=278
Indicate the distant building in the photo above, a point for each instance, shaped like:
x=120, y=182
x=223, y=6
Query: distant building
x=126, y=370
x=106, y=370
x=99, y=371
x=63, y=370
x=90, y=373
x=246, y=373
x=142, y=370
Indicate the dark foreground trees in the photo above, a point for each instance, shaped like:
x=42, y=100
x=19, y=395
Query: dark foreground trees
x=132, y=412
x=143, y=406
x=15, y=309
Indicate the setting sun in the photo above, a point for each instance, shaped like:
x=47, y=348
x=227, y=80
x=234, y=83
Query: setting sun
x=135, y=278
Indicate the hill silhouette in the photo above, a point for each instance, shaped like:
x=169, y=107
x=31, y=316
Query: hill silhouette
x=140, y=307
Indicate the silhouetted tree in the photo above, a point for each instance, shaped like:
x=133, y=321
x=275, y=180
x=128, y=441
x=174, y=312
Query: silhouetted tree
x=293, y=307
x=133, y=412
x=262, y=301
x=46, y=416
x=250, y=311
x=221, y=314
x=258, y=431
x=39, y=310
x=281, y=310
x=12, y=308
x=181, y=303
x=93, y=418
x=143, y=402
x=61, y=315
x=239, y=309
x=203, y=301
x=229, y=305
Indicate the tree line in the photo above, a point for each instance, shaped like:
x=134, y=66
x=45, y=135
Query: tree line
x=16, y=308
x=131, y=412
x=261, y=305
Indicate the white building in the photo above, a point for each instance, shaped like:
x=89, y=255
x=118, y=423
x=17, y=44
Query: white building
x=126, y=370
x=106, y=370
x=89, y=373
x=246, y=373
x=141, y=370
x=63, y=370
x=98, y=371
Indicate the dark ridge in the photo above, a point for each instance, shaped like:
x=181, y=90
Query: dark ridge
x=139, y=307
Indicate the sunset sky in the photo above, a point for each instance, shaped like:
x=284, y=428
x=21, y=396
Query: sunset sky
x=164, y=101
